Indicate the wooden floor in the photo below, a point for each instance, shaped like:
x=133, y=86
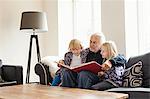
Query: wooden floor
x=36, y=91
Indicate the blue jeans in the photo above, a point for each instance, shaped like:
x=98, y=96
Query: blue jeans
x=56, y=81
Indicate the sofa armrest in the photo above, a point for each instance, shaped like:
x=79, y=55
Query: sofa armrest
x=12, y=73
x=43, y=72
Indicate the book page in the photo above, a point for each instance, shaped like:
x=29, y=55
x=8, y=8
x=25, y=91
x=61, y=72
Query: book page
x=63, y=65
x=93, y=67
x=85, y=64
x=90, y=66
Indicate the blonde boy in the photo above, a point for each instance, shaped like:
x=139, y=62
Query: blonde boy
x=72, y=58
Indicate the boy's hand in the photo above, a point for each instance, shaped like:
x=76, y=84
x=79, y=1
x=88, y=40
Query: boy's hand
x=60, y=62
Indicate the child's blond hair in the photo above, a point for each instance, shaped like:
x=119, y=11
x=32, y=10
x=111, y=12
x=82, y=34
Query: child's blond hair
x=111, y=48
x=75, y=43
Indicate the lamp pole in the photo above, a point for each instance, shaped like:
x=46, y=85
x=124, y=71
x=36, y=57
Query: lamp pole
x=30, y=50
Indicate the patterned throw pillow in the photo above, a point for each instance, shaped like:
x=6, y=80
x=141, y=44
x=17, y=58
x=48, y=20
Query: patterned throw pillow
x=133, y=75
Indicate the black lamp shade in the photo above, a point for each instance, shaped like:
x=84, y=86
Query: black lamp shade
x=34, y=21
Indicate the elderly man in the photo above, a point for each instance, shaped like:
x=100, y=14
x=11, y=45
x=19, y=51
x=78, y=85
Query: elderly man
x=85, y=79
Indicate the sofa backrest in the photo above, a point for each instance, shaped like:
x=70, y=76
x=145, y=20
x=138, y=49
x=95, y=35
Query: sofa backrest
x=145, y=69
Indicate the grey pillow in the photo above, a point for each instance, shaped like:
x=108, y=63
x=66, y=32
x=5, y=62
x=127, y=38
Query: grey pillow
x=133, y=75
x=0, y=67
x=0, y=62
x=1, y=80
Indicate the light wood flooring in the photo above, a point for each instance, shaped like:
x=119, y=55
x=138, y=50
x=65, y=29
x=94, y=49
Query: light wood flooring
x=36, y=91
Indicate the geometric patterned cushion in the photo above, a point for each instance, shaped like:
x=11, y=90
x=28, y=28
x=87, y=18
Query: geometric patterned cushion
x=133, y=75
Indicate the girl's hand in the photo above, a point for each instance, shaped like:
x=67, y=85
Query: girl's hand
x=106, y=66
x=101, y=73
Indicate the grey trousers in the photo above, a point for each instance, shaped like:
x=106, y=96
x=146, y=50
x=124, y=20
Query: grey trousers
x=83, y=79
x=103, y=85
x=68, y=78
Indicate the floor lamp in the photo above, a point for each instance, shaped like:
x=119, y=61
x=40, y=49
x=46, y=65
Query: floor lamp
x=33, y=22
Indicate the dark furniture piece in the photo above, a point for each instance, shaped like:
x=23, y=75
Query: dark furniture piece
x=142, y=92
x=134, y=93
x=43, y=72
x=10, y=74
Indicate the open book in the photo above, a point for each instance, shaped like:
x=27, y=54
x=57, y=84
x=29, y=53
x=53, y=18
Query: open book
x=90, y=66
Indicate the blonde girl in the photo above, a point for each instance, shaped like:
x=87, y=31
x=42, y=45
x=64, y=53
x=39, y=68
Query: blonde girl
x=113, y=67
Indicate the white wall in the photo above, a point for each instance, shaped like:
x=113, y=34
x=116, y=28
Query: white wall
x=14, y=44
x=50, y=39
x=113, y=22
x=131, y=28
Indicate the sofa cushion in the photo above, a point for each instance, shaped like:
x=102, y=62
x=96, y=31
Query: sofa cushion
x=8, y=83
x=139, y=89
x=50, y=61
x=145, y=59
x=133, y=75
x=134, y=93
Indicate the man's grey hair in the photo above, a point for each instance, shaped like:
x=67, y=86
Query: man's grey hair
x=100, y=36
